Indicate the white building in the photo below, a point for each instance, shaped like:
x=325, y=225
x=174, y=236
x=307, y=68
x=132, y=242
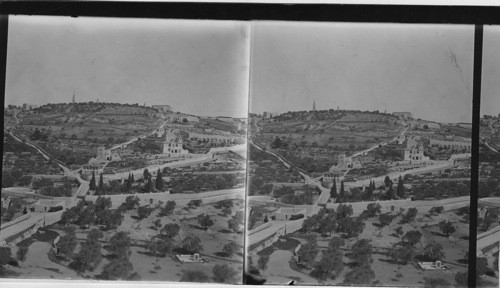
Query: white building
x=415, y=154
x=283, y=214
x=164, y=108
x=44, y=205
x=172, y=146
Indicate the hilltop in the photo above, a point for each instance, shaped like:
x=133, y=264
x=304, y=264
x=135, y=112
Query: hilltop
x=320, y=135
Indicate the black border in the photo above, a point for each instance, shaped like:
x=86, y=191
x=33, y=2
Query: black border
x=471, y=15
x=258, y=11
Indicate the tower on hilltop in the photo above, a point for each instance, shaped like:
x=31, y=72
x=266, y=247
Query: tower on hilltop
x=314, y=105
x=73, y=97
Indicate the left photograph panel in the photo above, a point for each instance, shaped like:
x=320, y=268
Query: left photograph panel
x=124, y=151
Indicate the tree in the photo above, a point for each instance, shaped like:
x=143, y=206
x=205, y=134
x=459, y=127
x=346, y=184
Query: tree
x=168, y=209
x=362, y=252
x=372, y=209
x=117, y=269
x=157, y=224
x=92, y=184
x=410, y=215
x=385, y=219
x=170, y=230
x=159, y=246
x=344, y=211
x=205, y=221
x=400, y=190
x=194, y=203
x=391, y=194
x=387, y=181
x=436, y=210
x=307, y=253
x=360, y=275
x=342, y=195
x=119, y=244
x=110, y=219
x=412, y=237
x=159, y=184
x=433, y=251
x=262, y=262
x=149, y=187
x=131, y=202
x=191, y=244
x=146, y=174
x=227, y=211
x=330, y=265
x=333, y=191
x=335, y=243
x=90, y=255
x=353, y=227
x=447, y=228
x=402, y=254
x=144, y=212
x=101, y=183
x=194, y=276
x=481, y=266
x=224, y=274
x=233, y=224
x=102, y=203
x=67, y=243
x=398, y=231
x=21, y=253
x=25, y=180
x=229, y=248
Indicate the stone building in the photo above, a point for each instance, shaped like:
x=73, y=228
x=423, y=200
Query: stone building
x=164, y=108
x=172, y=145
x=415, y=154
x=403, y=115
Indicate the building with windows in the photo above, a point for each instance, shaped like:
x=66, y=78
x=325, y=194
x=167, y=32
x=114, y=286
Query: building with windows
x=173, y=145
x=164, y=108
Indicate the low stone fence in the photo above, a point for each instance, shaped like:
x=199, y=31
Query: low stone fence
x=387, y=206
x=259, y=228
x=179, y=198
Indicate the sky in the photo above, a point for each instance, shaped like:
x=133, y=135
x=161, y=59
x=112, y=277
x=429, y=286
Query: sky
x=420, y=68
x=197, y=67
x=490, y=92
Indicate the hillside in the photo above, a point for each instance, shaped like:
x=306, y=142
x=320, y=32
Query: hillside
x=72, y=132
x=320, y=135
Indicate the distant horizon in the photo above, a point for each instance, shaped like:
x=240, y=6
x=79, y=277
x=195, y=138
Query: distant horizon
x=121, y=103
x=197, y=66
x=424, y=69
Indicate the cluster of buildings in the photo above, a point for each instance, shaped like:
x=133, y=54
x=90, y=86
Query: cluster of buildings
x=339, y=169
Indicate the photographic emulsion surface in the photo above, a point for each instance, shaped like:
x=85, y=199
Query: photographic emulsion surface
x=124, y=149
x=360, y=153
x=279, y=145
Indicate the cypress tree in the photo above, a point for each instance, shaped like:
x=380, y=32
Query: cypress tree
x=342, y=192
x=101, y=183
x=92, y=184
x=159, y=180
x=333, y=191
x=400, y=190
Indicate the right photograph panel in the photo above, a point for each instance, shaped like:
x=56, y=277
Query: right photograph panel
x=488, y=228
x=359, y=154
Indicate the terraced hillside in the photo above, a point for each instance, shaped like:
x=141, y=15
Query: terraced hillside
x=310, y=139
x=72, y=132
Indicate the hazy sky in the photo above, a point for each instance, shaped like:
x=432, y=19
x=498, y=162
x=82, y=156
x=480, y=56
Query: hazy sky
x=198, y=67
x=490, y=93
x=423, y=69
